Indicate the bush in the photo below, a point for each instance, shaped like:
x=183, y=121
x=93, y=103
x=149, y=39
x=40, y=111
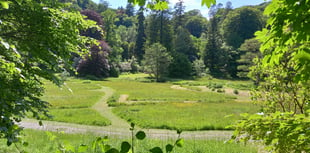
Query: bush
x=236, y=91
x=180, y=67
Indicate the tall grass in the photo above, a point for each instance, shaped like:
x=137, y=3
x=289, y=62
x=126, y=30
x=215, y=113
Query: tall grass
x=48, y=142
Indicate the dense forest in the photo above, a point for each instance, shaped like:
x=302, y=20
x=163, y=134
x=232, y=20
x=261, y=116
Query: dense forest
x=170, y=43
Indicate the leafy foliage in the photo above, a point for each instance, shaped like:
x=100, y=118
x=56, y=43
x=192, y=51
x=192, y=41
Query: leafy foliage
x=156, y=61
x=180, y=67
x=36, y=40
x=248, y=50
x=285, y=90
x=95, y=64
x=241, y=24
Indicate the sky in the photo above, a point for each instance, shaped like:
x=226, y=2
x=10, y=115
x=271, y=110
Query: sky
x=191, y=4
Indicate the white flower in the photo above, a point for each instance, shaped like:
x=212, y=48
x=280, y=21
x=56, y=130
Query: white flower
x=261, y=113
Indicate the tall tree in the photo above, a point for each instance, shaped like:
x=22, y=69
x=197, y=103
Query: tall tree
x=195, y=23
x=102, y=6
x=37, y=39
x=141, y=37
x=241, y=24
x=130, y=9
x=213, y=52
x=109, y=17
x=159, y=29
x=178, y=15
x=183, y=44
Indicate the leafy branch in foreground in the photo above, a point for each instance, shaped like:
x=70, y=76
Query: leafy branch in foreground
x=101, y=145
x=36, y=41
x=283, y=76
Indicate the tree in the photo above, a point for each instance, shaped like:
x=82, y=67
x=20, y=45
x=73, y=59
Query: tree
x=159, y=29
x=141, y=37
x=184, y=44
x=128, y=40
x=93, y=32
x=156, y=61
x=285, y=91
x=36, y=41
x=213, y=52
x=248, y=50
x=195, y=23
x=178, y=15
x=241, y=24
x=180, y=67
x=130, y=10
x=102, y=6
x=95, y=64
x=109, y=17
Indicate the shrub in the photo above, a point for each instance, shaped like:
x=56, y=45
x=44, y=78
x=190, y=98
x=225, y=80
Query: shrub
x=236, y=91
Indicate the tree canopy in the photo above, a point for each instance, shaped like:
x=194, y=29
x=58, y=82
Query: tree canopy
x=36, y=41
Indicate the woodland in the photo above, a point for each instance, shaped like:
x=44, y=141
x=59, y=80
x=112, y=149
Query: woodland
x=266, y=43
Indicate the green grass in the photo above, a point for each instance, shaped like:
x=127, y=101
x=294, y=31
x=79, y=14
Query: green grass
x=139, y=91
x=42, y=142
x=215, y=83
x=72, y=102
x=85, y=116
x=185, y=116
x=76, y=94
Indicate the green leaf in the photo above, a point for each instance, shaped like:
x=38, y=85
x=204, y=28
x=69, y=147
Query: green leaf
x=161, y=5
x=5, y=4
x=113, y=150
x=180, y=142
x=156, y=150
x=125, y=147
x=82, y=148
x=140, y=135
x=208, y=3
x=169, y=148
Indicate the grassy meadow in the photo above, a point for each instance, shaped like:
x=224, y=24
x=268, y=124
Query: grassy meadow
x=148, y=105
x=162, y=92
x=185, y=116
x=48, y=142
x=72, y=103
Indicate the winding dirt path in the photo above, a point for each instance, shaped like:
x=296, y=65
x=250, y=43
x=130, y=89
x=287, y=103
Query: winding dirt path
x=119, y=128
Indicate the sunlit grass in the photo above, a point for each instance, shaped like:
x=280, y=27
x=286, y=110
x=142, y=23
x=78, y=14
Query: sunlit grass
x=84, y=116
x=139, y=91
x=185, y=116
x=74, y=94
x=48, y=142
x=72, y=102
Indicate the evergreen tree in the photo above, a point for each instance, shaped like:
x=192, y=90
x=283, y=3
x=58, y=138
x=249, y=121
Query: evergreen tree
x=141, y=37
x=213, y=51
x=248, y=50
x=159, y=29
x=178, y=15
x=180, y=66
x=130, y=10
